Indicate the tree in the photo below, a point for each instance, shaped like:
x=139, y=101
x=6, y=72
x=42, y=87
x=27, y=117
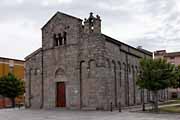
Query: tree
x=155, y=75
x=177, y=84
x=11, y=87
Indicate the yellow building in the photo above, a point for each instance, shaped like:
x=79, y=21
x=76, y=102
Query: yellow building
x=13, y=66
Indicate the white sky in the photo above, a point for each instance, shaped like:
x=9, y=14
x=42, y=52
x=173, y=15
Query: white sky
x=153, y=24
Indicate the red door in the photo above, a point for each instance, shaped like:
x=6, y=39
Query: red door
x=61, y=95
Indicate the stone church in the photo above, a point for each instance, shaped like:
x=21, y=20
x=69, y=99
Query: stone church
x=78, y=67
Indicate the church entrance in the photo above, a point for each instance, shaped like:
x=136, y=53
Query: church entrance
x=61, y=94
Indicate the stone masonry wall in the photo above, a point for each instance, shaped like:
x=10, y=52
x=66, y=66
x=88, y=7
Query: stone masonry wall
x=33, y=70
x=97, y=70
x=60, y=62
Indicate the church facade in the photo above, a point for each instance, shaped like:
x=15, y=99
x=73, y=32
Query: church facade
x=78, y=67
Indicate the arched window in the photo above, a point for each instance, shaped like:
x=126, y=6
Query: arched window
x=119, y=73
x=56, y=41
x=60, y=39
x=36, y=71
x=59, y=72
x=129, y=68
x=108, y=63
x=64, y=37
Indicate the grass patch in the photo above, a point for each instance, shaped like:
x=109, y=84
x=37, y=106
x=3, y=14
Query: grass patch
x=175, y=101
x=171, y=109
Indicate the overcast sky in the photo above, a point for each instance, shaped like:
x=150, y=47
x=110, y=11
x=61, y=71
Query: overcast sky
x=153, y=24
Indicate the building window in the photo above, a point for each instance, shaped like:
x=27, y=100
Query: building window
x=60, y=39
x=129, y=68
x=56, y=41
x=36, y=71
x=119, y=73
x=172, y=57
x=64, y=37
x=11, y=68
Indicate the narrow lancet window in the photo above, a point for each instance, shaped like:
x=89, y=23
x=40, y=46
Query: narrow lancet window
x=56, y=42
x=60, y=39
x=64, y=37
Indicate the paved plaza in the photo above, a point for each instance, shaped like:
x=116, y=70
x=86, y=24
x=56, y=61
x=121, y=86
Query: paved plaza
x=15, y=114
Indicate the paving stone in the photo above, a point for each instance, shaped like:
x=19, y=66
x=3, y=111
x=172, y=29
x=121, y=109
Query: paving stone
x=22, y=114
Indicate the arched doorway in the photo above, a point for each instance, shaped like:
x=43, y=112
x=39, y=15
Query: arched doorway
x=61, y=94
x=60, y=79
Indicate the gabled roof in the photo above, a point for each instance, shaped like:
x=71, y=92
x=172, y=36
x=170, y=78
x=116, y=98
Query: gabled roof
x=32, y=54
x=11, y=59
x=145, y=51
x=172, y=54
x=57, y=13
x=117, y=42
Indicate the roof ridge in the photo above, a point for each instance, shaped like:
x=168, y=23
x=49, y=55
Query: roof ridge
x=33, y=53
x=58, y=12
x=117, y=41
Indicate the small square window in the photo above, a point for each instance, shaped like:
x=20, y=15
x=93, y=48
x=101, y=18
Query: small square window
x=172, y=57
x=11, y=68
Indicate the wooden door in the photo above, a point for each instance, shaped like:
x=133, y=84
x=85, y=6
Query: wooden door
x=61, y=95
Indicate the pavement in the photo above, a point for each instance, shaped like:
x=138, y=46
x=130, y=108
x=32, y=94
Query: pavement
x=177, y=104
x=28, y=114
x=148, y=107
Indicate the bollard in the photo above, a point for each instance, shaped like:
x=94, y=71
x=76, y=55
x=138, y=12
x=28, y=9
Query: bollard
x=19, y=106
x=143, y=107
x=119, y=106
x=111, y=107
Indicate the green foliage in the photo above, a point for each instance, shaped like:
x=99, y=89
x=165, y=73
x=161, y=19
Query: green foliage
x=156, y=74
x=177, y=84
x=171, y=109
x=11, y=87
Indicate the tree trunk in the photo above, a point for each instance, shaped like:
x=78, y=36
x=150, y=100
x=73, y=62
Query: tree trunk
x=13, y=102
x=156, y=109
